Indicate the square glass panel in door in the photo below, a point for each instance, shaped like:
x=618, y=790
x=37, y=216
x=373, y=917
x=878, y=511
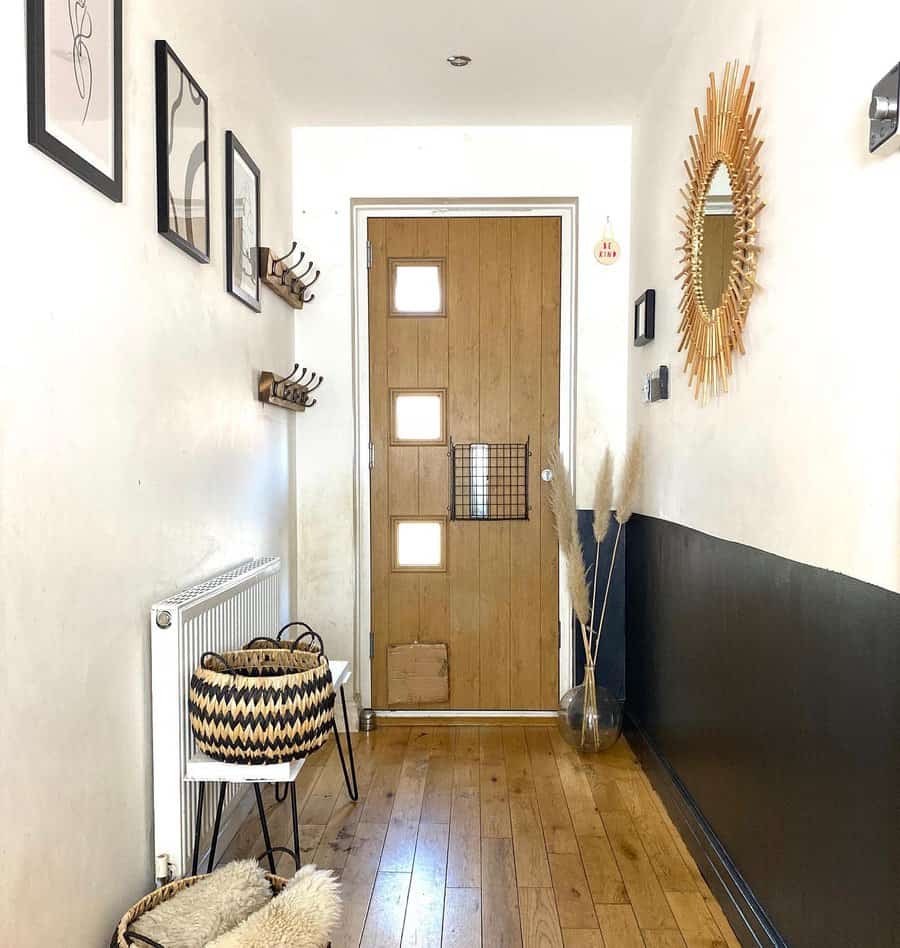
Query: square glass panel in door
x=418, y=416
x=420, y=544
x=417, y=287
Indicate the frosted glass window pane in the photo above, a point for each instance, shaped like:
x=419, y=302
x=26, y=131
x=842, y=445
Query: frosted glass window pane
x=418, y=418
x=417, y=289
x=420, y=543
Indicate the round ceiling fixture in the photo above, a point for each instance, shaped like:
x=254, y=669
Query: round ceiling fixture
x=459, y=61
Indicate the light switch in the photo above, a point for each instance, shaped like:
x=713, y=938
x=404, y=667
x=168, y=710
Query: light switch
x=884, y=111
x=656, y=385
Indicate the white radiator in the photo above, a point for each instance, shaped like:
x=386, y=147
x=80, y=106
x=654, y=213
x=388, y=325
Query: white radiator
x=223, y=613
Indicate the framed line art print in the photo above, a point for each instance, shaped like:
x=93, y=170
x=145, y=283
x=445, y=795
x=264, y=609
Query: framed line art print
x=75, y=88
x=182, y=155
x=242, y=223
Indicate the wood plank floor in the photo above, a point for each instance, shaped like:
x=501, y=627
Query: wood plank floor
x=502, y=837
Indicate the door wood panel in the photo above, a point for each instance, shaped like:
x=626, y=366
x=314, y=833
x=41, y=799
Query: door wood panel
x=496, y=353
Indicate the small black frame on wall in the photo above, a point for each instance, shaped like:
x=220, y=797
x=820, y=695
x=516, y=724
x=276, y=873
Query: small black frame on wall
x=182, y=155
x=645, y=318
x=75, y=89
x=242, y=223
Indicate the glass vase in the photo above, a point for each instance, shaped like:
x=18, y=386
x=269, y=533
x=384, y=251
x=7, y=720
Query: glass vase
x=590, y=718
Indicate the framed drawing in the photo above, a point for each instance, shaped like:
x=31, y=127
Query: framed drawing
x=182, y=155
x=75, y=87
x=242, y=223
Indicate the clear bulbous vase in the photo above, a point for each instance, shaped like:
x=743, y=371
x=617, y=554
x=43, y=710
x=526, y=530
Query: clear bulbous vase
x=590, y=718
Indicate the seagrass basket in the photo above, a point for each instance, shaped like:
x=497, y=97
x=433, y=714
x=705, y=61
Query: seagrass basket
x=261, y=706
x=125, y=939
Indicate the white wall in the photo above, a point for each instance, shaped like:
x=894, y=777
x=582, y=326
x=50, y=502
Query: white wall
x=134, y=459
x=801, y=457
x=335, y=165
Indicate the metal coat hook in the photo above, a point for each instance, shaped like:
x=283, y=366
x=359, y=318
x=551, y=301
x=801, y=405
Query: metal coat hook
x=312, y=388
x=305, y=299
x=290, y=253
x=288, y=378
x=298, y=282
x=289, y=272
x=313, y=280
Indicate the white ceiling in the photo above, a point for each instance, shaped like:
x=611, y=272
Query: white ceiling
x=382, y=62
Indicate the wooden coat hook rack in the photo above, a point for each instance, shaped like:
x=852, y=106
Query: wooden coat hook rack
x=282, y=277
x=292, y=391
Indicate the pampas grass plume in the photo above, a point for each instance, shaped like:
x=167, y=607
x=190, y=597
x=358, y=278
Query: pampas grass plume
x=565, y=516
x=630, y=481
x=603, y=497
x=562, y=504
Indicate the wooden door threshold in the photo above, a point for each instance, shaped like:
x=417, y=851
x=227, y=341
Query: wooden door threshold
x=419, y=718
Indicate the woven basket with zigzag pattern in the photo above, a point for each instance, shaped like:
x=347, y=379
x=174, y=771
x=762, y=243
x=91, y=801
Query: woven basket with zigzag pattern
x=261, y=706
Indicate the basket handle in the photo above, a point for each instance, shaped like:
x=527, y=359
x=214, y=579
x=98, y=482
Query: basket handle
x=132, y=937
x=204, y=656
x=262, y=638
x=277, y=849
x=310, y=633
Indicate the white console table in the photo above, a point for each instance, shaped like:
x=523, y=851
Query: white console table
x=203, y=770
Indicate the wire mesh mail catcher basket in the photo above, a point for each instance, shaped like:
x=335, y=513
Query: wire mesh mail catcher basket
x=489, y=481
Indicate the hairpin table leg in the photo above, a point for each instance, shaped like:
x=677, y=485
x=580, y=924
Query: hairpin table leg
x=296, y=825
x=201, y=792
x=218, y=823
x=279, y=796
x=265, y=827
x=352, y=785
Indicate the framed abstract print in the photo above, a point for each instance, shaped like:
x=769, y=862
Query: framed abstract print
x=242, y=223
x=182, y=155
x=75, y=87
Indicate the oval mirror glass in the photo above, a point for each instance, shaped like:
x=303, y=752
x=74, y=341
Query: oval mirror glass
x=718, y=236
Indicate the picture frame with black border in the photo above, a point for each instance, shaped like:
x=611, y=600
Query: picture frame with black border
x=75, y=112
x=180, y=158
x=645, y=318
x=242, y=253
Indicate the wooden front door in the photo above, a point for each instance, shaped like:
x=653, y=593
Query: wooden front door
x=464, y=322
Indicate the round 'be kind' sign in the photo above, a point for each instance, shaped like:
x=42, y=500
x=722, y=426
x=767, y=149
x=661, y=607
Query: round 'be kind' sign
x=607, y=250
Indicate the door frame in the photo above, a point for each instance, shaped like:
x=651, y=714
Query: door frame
x=362, y=209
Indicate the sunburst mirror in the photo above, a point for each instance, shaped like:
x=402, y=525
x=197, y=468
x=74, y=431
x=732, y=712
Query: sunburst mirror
x=720, y=238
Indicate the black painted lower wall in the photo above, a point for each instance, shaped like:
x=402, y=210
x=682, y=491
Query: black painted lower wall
x=768, y=690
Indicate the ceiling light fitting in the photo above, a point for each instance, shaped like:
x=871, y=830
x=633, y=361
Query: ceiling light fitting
x=459, y=61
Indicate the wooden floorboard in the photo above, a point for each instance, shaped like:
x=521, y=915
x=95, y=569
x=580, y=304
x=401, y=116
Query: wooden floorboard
x=502, y=837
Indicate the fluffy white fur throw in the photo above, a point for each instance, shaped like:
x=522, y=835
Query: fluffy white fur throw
x=203, y=911
x=303, y=915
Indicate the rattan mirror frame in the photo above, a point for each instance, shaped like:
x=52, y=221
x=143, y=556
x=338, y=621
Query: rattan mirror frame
x=725, y=133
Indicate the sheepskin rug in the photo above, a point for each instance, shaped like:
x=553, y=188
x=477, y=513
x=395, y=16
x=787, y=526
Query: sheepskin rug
x=303, y=915
x=203, y=911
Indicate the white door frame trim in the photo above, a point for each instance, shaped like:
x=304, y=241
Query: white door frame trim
x=361, y=210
